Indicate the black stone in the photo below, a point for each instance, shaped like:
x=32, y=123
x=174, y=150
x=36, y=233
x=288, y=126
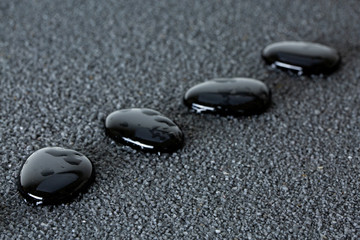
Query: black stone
x=229, y=96
x=302, y=57
x=54, y=175
x=144, y=129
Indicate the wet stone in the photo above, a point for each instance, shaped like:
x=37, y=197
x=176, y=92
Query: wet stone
x=229, y=96
x=302, y=57
x=54, y=175
x=145, y=129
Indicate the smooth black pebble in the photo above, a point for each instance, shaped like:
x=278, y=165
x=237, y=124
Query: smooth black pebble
x=54, y=175
x=229, y=96
x=302, y=57
x=144, y=129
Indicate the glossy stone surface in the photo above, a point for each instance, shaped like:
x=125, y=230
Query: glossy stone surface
x=229, y=96
x=302, y=57
x=54, y=175
x=144, y=129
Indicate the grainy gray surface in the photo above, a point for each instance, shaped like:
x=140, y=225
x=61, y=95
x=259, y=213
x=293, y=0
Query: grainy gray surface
x=290, y=173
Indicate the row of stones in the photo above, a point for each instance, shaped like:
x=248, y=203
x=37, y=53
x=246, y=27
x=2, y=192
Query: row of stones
x=55, y=175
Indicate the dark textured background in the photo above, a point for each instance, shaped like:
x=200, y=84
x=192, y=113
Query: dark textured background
x=292, y=172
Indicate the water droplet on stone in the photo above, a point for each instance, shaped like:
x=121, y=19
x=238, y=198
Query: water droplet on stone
x=165, y=120
x=47, y=172
x=72, y=161
x=302, y=57
x=45, y=178
x=124, y=124
x=234, y=96
x=147, y=130
x=150, y=112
